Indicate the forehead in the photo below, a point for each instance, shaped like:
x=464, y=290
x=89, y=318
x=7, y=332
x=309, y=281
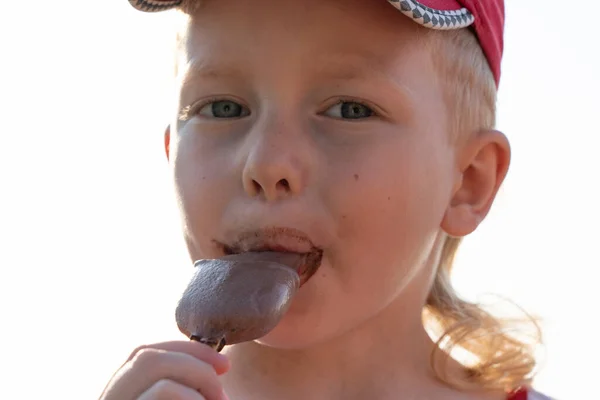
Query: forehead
x=357, y=29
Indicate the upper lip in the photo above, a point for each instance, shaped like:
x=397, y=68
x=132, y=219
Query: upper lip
x=279, y=239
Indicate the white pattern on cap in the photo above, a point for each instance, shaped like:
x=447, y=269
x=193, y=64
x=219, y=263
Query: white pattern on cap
x=432, y=18
x=155, y=5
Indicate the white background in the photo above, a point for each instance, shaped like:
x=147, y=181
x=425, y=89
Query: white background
x=91, y=260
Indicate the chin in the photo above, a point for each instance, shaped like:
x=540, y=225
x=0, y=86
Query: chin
x=297, y=332
x=292, y=339
x=301, y=331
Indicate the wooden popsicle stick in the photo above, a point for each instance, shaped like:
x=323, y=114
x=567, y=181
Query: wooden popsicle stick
x=216, y=344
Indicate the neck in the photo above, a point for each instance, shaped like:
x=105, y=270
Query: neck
x=388, y=353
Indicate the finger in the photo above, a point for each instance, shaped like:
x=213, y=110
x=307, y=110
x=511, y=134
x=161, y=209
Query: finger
x=220, y=362
x=149, y=366
x=169, y=390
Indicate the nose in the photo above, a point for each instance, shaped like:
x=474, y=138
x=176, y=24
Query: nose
x=277, y=165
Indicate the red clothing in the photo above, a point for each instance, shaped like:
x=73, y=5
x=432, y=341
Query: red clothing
x=520, y=394
x=527, y=394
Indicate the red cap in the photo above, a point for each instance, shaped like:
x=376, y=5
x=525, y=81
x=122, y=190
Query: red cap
x=486, y=16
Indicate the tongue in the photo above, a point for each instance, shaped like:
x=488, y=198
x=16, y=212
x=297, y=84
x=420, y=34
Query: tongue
x=238, y=298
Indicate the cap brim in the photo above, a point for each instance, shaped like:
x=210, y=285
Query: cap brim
x=441, y=5
x=155, y=5
x=434, y=14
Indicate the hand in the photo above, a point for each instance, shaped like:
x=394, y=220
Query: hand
x=170, y=370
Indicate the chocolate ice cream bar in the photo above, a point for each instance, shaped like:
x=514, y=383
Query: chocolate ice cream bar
x=238, y=298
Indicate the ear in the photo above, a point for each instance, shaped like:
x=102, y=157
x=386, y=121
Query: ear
x=483, y=163
x=168, y=141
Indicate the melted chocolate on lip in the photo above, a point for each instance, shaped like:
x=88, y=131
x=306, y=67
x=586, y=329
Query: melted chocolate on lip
x=312, y=262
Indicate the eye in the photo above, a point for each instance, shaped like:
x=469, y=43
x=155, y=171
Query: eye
x=349, y=110
x=223, y=109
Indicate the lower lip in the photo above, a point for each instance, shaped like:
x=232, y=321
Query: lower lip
x=303, y=277
x=306, y=271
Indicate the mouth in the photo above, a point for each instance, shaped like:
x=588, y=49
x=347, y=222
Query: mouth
x=280, y=240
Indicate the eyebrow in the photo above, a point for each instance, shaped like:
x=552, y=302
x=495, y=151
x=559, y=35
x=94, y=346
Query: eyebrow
x=338, y=66
x=344, y=66
x=198, y=69
x=359, y=66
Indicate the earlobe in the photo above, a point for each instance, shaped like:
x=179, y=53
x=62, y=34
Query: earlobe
x=483, y=164
x=168, y=141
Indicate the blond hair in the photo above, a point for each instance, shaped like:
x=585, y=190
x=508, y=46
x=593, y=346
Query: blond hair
x=499, y=360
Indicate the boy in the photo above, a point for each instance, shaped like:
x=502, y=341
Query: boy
x=352, y=129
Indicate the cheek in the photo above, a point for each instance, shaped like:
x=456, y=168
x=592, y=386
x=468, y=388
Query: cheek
x=391, y=210
x=201, y=189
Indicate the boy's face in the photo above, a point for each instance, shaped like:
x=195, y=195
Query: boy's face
x=314, y=125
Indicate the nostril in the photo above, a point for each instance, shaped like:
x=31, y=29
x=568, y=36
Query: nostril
x=284, y=184
x=257, y=187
